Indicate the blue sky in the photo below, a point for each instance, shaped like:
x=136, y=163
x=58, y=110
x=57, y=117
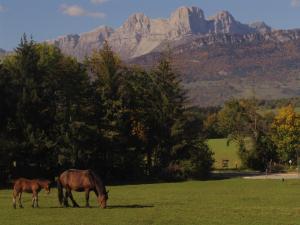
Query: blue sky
x=47, y=19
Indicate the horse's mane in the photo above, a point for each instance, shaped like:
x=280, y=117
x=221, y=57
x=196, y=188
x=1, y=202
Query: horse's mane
x=100, y=188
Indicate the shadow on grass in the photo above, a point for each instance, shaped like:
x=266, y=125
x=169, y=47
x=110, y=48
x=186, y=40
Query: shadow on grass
x=134, y=206
x=71, y=207
x=230, y=174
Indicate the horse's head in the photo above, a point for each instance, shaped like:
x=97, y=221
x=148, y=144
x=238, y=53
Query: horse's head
x=47, y=186
x=102, y=199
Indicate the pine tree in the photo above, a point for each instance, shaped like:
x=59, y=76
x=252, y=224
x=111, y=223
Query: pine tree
x=172, y=98
x=106, y=71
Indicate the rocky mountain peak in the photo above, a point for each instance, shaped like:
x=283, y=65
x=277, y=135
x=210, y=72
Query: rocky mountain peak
x=137, y=22
x=99, y=34
x=186, y=13
x=224, y=16
x=261, y=27
x=224, y=22
x=140, y=35
x=101, y=29
x=189, y=20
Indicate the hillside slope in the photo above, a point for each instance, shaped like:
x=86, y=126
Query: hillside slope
x=218, y=67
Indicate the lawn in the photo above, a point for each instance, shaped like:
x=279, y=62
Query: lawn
x=228, y=202
x=223, y=151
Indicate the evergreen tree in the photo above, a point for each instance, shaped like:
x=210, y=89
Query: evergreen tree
x=74, y=118
x=106, y=71
x=170, y=110
x=34, y=112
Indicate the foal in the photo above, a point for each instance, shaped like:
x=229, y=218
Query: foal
x=29, y=186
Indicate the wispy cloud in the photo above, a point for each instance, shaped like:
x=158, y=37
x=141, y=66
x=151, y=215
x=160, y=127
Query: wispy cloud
x=98, y=1
x=295, y=3
x=2, y=8
x=76, y=10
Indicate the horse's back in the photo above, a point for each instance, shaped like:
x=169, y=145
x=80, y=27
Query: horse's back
x=74, y=172
x=27, y=185
x=76, y=179
x=21, y=181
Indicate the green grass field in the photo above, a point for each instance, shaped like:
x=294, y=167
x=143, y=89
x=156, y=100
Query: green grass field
x=228, y=202
x=224, y=152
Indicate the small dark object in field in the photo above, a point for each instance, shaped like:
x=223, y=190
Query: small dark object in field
x=282, y=179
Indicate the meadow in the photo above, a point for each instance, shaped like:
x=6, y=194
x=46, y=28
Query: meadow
x=228, y=202
x=223, y=151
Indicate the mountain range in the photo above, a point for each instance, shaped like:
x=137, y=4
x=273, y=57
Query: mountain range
x=140, y=35
x=218, y=56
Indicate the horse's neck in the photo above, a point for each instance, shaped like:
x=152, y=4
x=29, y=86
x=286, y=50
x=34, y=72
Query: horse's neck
x=99, y=187
x=41, y=183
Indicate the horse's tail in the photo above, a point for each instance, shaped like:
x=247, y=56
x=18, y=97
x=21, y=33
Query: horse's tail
x=60, y=192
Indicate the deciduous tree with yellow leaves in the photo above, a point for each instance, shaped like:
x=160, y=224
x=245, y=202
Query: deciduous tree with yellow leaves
x=286, y=133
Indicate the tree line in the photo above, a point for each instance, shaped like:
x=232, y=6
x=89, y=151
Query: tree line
x=266, y=138
x=121, y=121
x=124, y=122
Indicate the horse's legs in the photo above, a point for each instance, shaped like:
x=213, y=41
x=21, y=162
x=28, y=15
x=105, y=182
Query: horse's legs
x=20, y=200
x=87, y=197
x=66, y=204
x=72, y=199
x=33, y=200
x=14, y=199
x=37, y=200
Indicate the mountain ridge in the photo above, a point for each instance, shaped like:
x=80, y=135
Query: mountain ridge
x=140, y=34
x=218, y=56
x=217, y=68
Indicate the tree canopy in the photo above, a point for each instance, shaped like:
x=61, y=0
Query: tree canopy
x=122, y=121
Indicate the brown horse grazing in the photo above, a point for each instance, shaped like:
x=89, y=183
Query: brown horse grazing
x=29, y=186
x=81, y=181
